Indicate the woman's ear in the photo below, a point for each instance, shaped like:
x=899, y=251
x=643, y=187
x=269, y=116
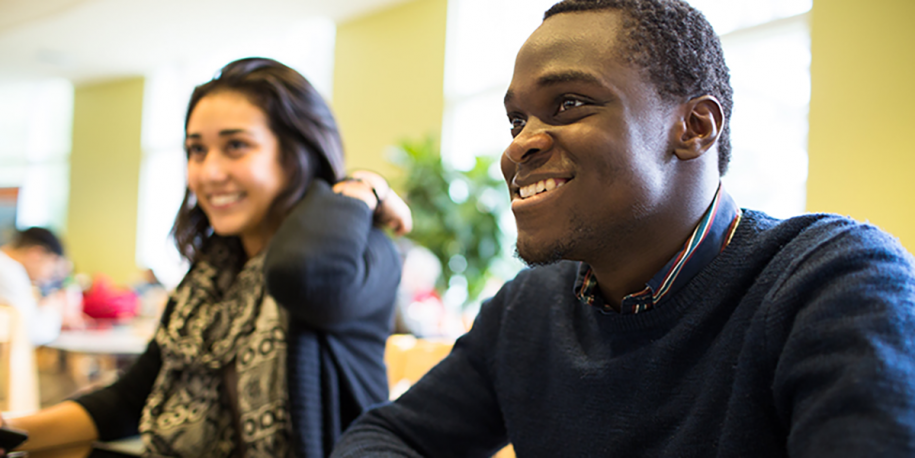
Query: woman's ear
x=699, y=127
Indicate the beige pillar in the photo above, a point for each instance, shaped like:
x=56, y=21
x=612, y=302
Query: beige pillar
x=104, y=178
x=388, y=79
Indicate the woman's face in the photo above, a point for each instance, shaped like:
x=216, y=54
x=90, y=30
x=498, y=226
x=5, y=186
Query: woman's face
x=233, y=167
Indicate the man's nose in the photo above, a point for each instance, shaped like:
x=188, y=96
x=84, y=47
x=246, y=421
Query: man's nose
x=533, y=139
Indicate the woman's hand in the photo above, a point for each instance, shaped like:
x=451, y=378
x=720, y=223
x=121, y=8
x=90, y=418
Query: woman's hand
x=390, y=210
x=395, y=214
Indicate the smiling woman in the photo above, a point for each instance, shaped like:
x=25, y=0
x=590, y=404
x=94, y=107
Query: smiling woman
x=256, y=353
x=233, y=167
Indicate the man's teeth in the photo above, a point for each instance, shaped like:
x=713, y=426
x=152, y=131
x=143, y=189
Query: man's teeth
x=225, y=199
x=541, y=186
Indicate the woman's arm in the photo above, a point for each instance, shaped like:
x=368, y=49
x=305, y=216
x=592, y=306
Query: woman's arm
x=110, y=413
x=64, y=423
x=327, y=264
x=107, y=414
x=116, y=409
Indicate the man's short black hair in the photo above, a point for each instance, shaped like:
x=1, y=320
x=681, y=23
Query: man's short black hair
x=678, y=49
x=39, y=236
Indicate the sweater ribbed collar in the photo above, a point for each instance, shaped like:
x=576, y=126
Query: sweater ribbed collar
x=710, y=237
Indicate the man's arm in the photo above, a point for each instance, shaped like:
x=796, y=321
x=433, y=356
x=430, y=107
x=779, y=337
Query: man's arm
x=452, y=411
x=48, y=318
x=845, y=380
x=42, y=323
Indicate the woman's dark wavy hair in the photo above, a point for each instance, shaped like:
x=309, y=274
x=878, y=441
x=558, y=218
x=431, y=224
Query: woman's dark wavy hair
x=309, y=141
x=677, y=48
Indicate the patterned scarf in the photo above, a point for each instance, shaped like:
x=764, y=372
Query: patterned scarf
x=222, y=325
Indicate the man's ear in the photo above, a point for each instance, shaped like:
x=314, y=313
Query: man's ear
x=699, y=127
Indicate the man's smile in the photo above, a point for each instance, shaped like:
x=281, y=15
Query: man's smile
x=536, y=192
x=541, y=186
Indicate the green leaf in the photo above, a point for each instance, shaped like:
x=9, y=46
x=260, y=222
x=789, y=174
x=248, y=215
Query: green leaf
x=447, y=228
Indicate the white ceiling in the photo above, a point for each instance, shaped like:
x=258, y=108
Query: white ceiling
x=85, y=40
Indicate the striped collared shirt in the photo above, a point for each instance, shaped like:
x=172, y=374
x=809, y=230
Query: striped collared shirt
x=711, y=236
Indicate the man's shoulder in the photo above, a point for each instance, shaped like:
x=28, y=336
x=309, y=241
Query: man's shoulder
x=815, y=229
x=815, y=241
x=763, y=221
x=12, y=270
x=15, y=285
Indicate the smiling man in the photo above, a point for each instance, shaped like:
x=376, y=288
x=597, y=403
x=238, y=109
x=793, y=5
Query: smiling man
x=658, y=318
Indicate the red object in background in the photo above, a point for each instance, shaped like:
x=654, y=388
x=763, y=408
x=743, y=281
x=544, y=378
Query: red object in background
x=105, y=300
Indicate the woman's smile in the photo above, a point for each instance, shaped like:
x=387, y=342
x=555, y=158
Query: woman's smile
x=225, y=201
x=233, y=166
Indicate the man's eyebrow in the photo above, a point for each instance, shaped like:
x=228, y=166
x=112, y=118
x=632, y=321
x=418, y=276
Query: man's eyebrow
x=570, y=76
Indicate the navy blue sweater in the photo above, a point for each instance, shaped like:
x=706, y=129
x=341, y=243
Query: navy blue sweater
x=337, y=277
x=796, y=340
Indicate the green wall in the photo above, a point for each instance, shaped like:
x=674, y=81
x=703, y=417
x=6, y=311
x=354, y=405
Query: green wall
x=104, y=178
x=861, y=120
x=388, y=79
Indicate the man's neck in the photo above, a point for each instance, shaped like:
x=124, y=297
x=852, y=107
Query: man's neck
x=12, y=252
x=629, y=268
x=617, y=280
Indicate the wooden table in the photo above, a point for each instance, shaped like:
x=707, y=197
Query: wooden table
x=93, y=356
x=126, y=448
x=100, y=342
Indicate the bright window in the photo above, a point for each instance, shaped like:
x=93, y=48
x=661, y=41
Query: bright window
x=767, y=47
x=36, y=120
x=770, y=73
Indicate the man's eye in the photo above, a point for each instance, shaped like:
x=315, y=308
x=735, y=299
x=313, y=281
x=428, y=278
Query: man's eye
x=569, y=103
x=517, y=122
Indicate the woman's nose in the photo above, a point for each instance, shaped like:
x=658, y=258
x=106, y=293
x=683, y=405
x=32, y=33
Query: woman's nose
x=213, y=167
x=206, y=169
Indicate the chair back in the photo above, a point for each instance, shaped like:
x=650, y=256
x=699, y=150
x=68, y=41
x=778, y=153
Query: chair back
x=409, y=358
x=18, y=370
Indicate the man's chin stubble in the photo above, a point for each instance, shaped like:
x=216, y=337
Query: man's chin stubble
x=547, y=256
x=581, y=235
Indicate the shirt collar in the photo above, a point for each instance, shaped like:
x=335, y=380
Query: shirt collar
x=710, y=237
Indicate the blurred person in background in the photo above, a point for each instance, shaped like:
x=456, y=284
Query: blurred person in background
x=33, y=259
x=274, y=340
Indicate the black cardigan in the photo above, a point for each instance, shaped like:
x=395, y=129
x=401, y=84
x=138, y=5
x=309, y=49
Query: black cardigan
x=337, y=277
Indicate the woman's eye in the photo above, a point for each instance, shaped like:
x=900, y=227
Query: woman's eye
x=235, y=145
x=195, y=151
x=570, y=103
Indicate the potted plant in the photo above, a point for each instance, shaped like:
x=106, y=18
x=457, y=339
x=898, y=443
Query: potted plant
x=455, y=213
